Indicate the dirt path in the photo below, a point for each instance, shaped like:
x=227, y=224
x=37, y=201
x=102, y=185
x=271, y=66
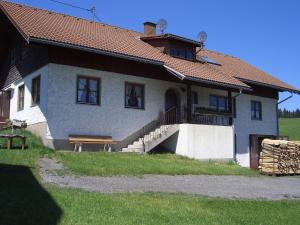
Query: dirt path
x=213, y=186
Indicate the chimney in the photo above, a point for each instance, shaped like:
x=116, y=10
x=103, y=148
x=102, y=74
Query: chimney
x=149, y=29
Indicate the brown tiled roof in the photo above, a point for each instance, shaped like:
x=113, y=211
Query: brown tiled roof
x=36, y=24
x=244, y=71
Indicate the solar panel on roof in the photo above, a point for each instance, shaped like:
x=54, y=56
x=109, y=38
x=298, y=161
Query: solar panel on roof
x=206, y=59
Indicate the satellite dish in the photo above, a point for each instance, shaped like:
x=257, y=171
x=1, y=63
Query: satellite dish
x=162, y=25
x=202, y=36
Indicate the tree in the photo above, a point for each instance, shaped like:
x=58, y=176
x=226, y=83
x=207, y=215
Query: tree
x=285, y=113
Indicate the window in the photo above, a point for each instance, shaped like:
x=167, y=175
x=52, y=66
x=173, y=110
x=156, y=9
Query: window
x=88, y=90
x=134, y=96
x=182, y=53
x=173, y=52
x=21, y=98
x=219, y=103
x=195, y=98
x=35, y=90
x=189, y=55
x=256, y=112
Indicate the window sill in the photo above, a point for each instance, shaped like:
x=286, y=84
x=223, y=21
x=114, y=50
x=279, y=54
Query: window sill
x=82, y=103
x=128, y=107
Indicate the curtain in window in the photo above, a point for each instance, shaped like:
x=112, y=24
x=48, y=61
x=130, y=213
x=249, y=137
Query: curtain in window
x=134, y=96
x=88, y=90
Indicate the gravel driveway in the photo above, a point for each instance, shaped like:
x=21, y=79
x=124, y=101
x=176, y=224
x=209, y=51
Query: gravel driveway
x=271, y=188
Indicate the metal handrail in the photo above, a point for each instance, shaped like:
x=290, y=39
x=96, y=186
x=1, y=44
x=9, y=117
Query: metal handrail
x=155, y=128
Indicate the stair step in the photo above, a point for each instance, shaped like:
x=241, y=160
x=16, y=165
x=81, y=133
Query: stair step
x=150, y=139
x=135, y=146
x=140, y=142
x=132, y=150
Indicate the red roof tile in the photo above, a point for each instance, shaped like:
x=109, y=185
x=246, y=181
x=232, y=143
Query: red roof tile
x=40, y=24
x=244, y=71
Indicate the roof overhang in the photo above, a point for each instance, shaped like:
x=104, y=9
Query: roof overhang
x=24, y=35
x=295, y=91
x=138, y=59
x=226, y=85
x=204, y=81
x=174, y=72
x=93, y=50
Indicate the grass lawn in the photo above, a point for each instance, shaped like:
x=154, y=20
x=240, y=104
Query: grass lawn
x=24, y=200
x=290, y=127
x=109, y=164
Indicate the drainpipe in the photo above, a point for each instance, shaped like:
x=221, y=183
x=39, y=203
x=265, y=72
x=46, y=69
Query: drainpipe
x=234, y=155
x=277, y=114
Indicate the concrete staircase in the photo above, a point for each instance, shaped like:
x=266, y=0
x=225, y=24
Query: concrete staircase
x=152, y=139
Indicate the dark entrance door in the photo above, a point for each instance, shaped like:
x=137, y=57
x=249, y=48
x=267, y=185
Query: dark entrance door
x=171, y=100
x=256, y=148
x=172, y=103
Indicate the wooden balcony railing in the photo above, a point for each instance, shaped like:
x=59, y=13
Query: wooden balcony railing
x=210, y=116
x=208, y=119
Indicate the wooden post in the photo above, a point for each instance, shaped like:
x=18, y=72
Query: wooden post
x=23, y=142
x=9, y=143
x=230, y=107
x=189, y=103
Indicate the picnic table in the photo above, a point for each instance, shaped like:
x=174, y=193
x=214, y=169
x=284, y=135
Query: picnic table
x=11, y=137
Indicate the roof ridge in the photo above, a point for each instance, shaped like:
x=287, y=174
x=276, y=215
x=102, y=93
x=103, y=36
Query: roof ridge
x=67, y=15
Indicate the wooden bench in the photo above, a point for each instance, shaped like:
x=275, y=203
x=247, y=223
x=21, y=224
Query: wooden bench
x=11, y=137
x=78, y=140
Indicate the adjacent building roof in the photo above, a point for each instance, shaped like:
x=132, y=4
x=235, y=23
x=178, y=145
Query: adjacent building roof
x=37, y=25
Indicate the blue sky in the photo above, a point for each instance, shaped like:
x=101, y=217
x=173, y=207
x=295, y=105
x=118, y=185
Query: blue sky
x=264, y=33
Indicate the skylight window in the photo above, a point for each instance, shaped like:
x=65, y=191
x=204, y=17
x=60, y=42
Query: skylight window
x=206, y=59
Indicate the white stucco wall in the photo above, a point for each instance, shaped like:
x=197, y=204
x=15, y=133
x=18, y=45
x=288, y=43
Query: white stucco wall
x=58, y=107
x=111, y=118
x=205, y=142
x=244, y=126
x=32, y=114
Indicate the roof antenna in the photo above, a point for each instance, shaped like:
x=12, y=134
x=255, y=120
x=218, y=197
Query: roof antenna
x=91, y=10
x=201, y=37
x=162, y=25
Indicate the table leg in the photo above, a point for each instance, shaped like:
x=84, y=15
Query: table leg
x=23, y=143
x=76, y=147
x=9, y=143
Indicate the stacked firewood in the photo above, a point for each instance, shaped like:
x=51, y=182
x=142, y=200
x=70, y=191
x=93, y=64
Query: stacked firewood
x=280, y=157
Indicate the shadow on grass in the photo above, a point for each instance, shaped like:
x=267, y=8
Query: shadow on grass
x=23, y=200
